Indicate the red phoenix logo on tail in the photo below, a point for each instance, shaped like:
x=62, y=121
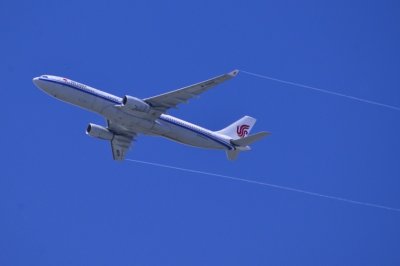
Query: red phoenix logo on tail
x=242, y=130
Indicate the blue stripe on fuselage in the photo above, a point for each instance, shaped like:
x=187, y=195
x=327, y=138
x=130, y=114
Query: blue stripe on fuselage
x=82, y=90
x=198, y=132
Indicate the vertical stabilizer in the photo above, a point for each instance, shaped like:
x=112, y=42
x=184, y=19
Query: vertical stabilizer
x=240, y=128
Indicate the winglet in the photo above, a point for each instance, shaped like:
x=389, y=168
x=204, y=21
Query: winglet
x=234, y=73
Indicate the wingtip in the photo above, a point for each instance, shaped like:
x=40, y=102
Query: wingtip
x=234, y=73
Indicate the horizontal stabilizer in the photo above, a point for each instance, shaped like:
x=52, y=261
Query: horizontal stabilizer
x=250, y=139
x=232, y=155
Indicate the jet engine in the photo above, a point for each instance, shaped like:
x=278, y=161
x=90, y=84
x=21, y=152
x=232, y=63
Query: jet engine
x=135, y=104
x=99, y=132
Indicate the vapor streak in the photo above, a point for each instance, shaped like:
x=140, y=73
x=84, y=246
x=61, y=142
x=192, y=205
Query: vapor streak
x=367, y=204
x=322, y=90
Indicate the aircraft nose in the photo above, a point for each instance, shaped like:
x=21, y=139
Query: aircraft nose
x=36, y=81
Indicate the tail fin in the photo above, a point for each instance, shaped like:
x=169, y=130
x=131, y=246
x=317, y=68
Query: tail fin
x=240, y=128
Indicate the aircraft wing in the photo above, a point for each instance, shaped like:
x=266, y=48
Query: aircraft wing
x=161, y=103
x=121, y=142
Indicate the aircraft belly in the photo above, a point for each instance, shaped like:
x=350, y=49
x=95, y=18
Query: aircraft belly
x=76, y=97
x=192, y=138
x=127, y=121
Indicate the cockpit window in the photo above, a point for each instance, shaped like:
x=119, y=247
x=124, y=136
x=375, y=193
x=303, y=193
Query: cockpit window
x=44, y=76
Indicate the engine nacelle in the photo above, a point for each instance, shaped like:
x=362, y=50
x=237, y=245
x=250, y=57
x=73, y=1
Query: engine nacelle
x=99, y=132
x=135, y=104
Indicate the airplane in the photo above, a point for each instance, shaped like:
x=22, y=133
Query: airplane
x=127, y=117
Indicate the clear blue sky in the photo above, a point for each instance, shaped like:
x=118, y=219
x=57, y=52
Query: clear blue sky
x=63, y=201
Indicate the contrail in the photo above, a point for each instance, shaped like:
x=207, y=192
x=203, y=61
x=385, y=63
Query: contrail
x=269, y=185
x=322, y=90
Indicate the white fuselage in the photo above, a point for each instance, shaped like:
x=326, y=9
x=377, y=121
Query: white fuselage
x=108, y=106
